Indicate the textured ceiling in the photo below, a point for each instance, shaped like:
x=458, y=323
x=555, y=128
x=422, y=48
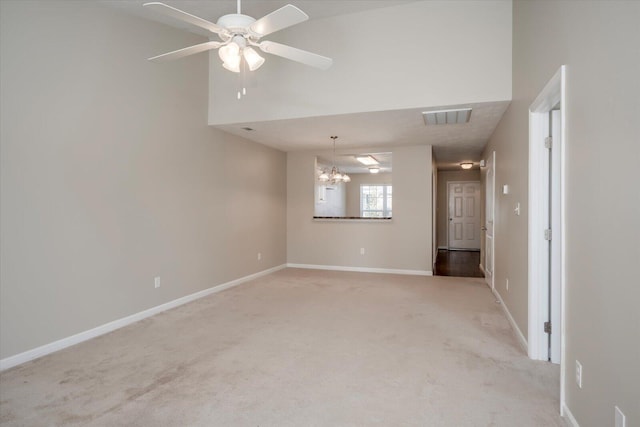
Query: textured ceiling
x=452, y=143
x=347, y=162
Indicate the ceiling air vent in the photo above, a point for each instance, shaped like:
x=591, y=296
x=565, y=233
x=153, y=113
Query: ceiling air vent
x=248, y=129
x=446, y=117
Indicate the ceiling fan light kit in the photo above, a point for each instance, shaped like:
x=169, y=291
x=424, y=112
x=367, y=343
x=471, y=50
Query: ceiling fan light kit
x=254, y=61
x=230, y=55
x=239, y=34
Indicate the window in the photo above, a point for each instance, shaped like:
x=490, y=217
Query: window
x=375, y=201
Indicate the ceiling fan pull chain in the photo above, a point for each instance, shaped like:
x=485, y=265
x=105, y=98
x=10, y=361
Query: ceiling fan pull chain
x=244, y=76
x=242, y=90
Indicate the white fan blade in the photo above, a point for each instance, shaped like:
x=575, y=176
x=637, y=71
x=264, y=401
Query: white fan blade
x=180, y=53
x=186, y=17
x=284, y=17
x=295, y=54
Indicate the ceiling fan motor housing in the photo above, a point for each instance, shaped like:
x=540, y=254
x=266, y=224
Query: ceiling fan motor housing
x=236, y=23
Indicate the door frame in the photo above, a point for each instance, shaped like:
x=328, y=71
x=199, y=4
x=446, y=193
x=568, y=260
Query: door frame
x=449, y=212
x=434, y=217
x=491, y=164
x=554, y=93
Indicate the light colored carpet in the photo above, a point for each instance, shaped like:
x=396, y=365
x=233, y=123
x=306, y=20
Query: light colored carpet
x=299, y=348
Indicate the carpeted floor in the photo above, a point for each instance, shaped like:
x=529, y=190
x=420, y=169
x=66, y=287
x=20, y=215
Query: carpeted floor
x=299, y=348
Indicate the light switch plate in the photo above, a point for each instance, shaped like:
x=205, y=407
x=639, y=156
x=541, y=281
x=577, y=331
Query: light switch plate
x=579, y=374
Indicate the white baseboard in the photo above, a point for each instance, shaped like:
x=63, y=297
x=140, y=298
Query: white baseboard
x=363, y=269
x=521, y=339
x=37, y=352
x=567, y=415
x=482, y=269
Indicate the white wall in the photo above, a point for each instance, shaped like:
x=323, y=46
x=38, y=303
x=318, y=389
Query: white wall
x=425, y=53
x=598, y=41
x=402, y=243
x=330, y=199
x=110, y=175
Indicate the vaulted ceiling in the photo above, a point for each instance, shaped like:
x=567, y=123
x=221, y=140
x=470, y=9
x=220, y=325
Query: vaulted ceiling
x=446, y=54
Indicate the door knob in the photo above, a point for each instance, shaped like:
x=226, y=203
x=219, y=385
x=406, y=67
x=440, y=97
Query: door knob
x=483, y=228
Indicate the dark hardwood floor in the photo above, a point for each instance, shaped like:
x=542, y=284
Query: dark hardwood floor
x=458, y=263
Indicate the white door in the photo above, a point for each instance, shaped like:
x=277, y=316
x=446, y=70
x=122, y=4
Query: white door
x=489, y=215
x=464, y=215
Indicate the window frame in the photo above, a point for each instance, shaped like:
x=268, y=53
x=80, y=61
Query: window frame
x=387, y=201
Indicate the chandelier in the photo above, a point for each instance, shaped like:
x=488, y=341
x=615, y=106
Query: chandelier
x=335, y=176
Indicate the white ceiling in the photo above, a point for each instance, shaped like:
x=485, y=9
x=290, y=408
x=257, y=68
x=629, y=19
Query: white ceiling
x=452, y=143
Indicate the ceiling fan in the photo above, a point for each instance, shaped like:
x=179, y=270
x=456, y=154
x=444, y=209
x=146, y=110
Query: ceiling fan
x=239, y=34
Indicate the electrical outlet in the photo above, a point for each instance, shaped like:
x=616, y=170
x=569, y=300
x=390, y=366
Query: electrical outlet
x=507, y=285
x=156, y=282
x=579, y=374
x=361, y=251
x=259, y=256
x=621, y=420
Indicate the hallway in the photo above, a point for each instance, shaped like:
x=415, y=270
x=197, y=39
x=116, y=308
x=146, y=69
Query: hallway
x=458, y=263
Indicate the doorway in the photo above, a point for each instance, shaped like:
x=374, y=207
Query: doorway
x=489, y=214
x=547, y=139
x=464, y=215
x=461, y=256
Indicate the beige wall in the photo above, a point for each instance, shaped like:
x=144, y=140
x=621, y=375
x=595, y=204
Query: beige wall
x=110, y=175
x=598, y=41
x=402, y=243
x=444, y=177
x=353, y=188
